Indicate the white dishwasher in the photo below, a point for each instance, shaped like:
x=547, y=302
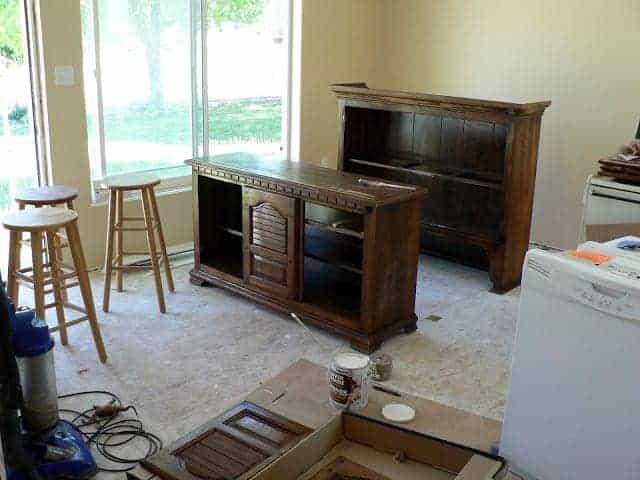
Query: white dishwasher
x=573, y=406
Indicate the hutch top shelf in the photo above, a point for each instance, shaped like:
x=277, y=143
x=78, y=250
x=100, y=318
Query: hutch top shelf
x=465, y=107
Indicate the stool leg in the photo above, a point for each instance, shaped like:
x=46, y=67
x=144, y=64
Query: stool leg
x=57, y=278
x=85, y=287
x=108, y=257
x=38, y=274
x=148, y=220
x=15, y=251
x=161, y=242
x=119, y=245
x=55, y=240
x=14, y=265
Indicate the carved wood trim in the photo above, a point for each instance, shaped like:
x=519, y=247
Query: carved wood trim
x=331, y=199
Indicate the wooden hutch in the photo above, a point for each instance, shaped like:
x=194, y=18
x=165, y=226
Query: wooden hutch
x=476, y=158
x=340, y=253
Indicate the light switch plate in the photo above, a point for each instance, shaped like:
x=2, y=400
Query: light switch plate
x=64, y=75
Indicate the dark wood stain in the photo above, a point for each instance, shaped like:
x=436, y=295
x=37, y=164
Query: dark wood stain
x=231, y=446
x=476, y=158
x=314, y=241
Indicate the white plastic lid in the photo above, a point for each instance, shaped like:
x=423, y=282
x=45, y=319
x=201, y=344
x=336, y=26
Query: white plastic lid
x=398, y=413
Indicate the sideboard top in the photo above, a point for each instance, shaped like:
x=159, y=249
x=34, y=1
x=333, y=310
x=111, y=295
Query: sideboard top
x=361, y=92
x=301, y=180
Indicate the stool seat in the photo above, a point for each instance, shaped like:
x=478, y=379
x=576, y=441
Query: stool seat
x=48, y=195
x=134, y=181
x=35, y=219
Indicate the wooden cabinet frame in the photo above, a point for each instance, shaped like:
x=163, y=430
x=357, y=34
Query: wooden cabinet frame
x=256, y=236
x=476, y=158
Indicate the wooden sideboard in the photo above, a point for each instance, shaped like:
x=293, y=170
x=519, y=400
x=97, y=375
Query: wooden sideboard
x=309, y=240
x=476, y=158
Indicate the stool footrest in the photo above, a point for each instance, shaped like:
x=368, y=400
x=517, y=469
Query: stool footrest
x=131, y=268
x=129, y=229
x=74, y=307
x=141, y=253
x=70, y=323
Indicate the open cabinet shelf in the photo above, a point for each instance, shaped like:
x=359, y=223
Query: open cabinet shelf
x=341, y=255
x=476, y=159
x=452, y=174
x=221, y=239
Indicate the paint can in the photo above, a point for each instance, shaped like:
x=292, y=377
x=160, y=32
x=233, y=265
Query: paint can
x=349, y=380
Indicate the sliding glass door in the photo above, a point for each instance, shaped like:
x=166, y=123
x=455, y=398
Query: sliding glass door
x=247, y=53
x=244, y=63
x=18, y=145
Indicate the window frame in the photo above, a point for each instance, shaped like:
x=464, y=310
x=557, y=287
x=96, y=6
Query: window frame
x=199, y=97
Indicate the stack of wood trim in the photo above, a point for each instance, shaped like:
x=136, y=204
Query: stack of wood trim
x=627, y=171
x=624, y=165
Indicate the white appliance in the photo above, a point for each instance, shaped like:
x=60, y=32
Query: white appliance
x=573, y=407
x=610, y=209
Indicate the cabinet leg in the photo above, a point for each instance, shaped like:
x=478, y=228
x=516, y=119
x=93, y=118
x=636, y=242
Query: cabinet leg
x=496, y=261
x=367, y=347
x=413, y=326
x=199, y=282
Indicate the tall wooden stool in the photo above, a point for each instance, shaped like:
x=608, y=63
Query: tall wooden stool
x=48, y=196
x=152, y=225
x=43, y=223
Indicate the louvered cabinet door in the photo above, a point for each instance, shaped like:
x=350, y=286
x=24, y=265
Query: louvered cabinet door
x=271, y=242
x=234, y=445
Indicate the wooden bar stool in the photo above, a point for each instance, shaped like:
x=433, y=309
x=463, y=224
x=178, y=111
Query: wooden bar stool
x=116, y=226
x=47, y=196
x=43, y=223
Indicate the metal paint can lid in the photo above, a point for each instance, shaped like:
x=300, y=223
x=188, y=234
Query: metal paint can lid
x=351, y=361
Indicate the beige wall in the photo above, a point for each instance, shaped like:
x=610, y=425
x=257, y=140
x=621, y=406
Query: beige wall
x=341, y=42
x=580, y=54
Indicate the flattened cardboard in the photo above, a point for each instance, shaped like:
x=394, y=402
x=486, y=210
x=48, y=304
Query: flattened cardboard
x=300, y=393
x=609, y=231
x=479, y=468
x=380, y=463
x=307, y=453
x=374, y=446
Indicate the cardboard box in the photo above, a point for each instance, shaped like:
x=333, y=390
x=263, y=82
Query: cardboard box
x=383, y=451
x=609, y=231
x=301, y=436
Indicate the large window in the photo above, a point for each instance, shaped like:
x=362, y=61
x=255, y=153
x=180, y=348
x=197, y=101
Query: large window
x=167, y=80
x=19, y=141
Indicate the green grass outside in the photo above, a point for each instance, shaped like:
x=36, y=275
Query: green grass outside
x=17, y=127
x=21, y=183
x=256, y=120
x=233, y=121
x=237, y=121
